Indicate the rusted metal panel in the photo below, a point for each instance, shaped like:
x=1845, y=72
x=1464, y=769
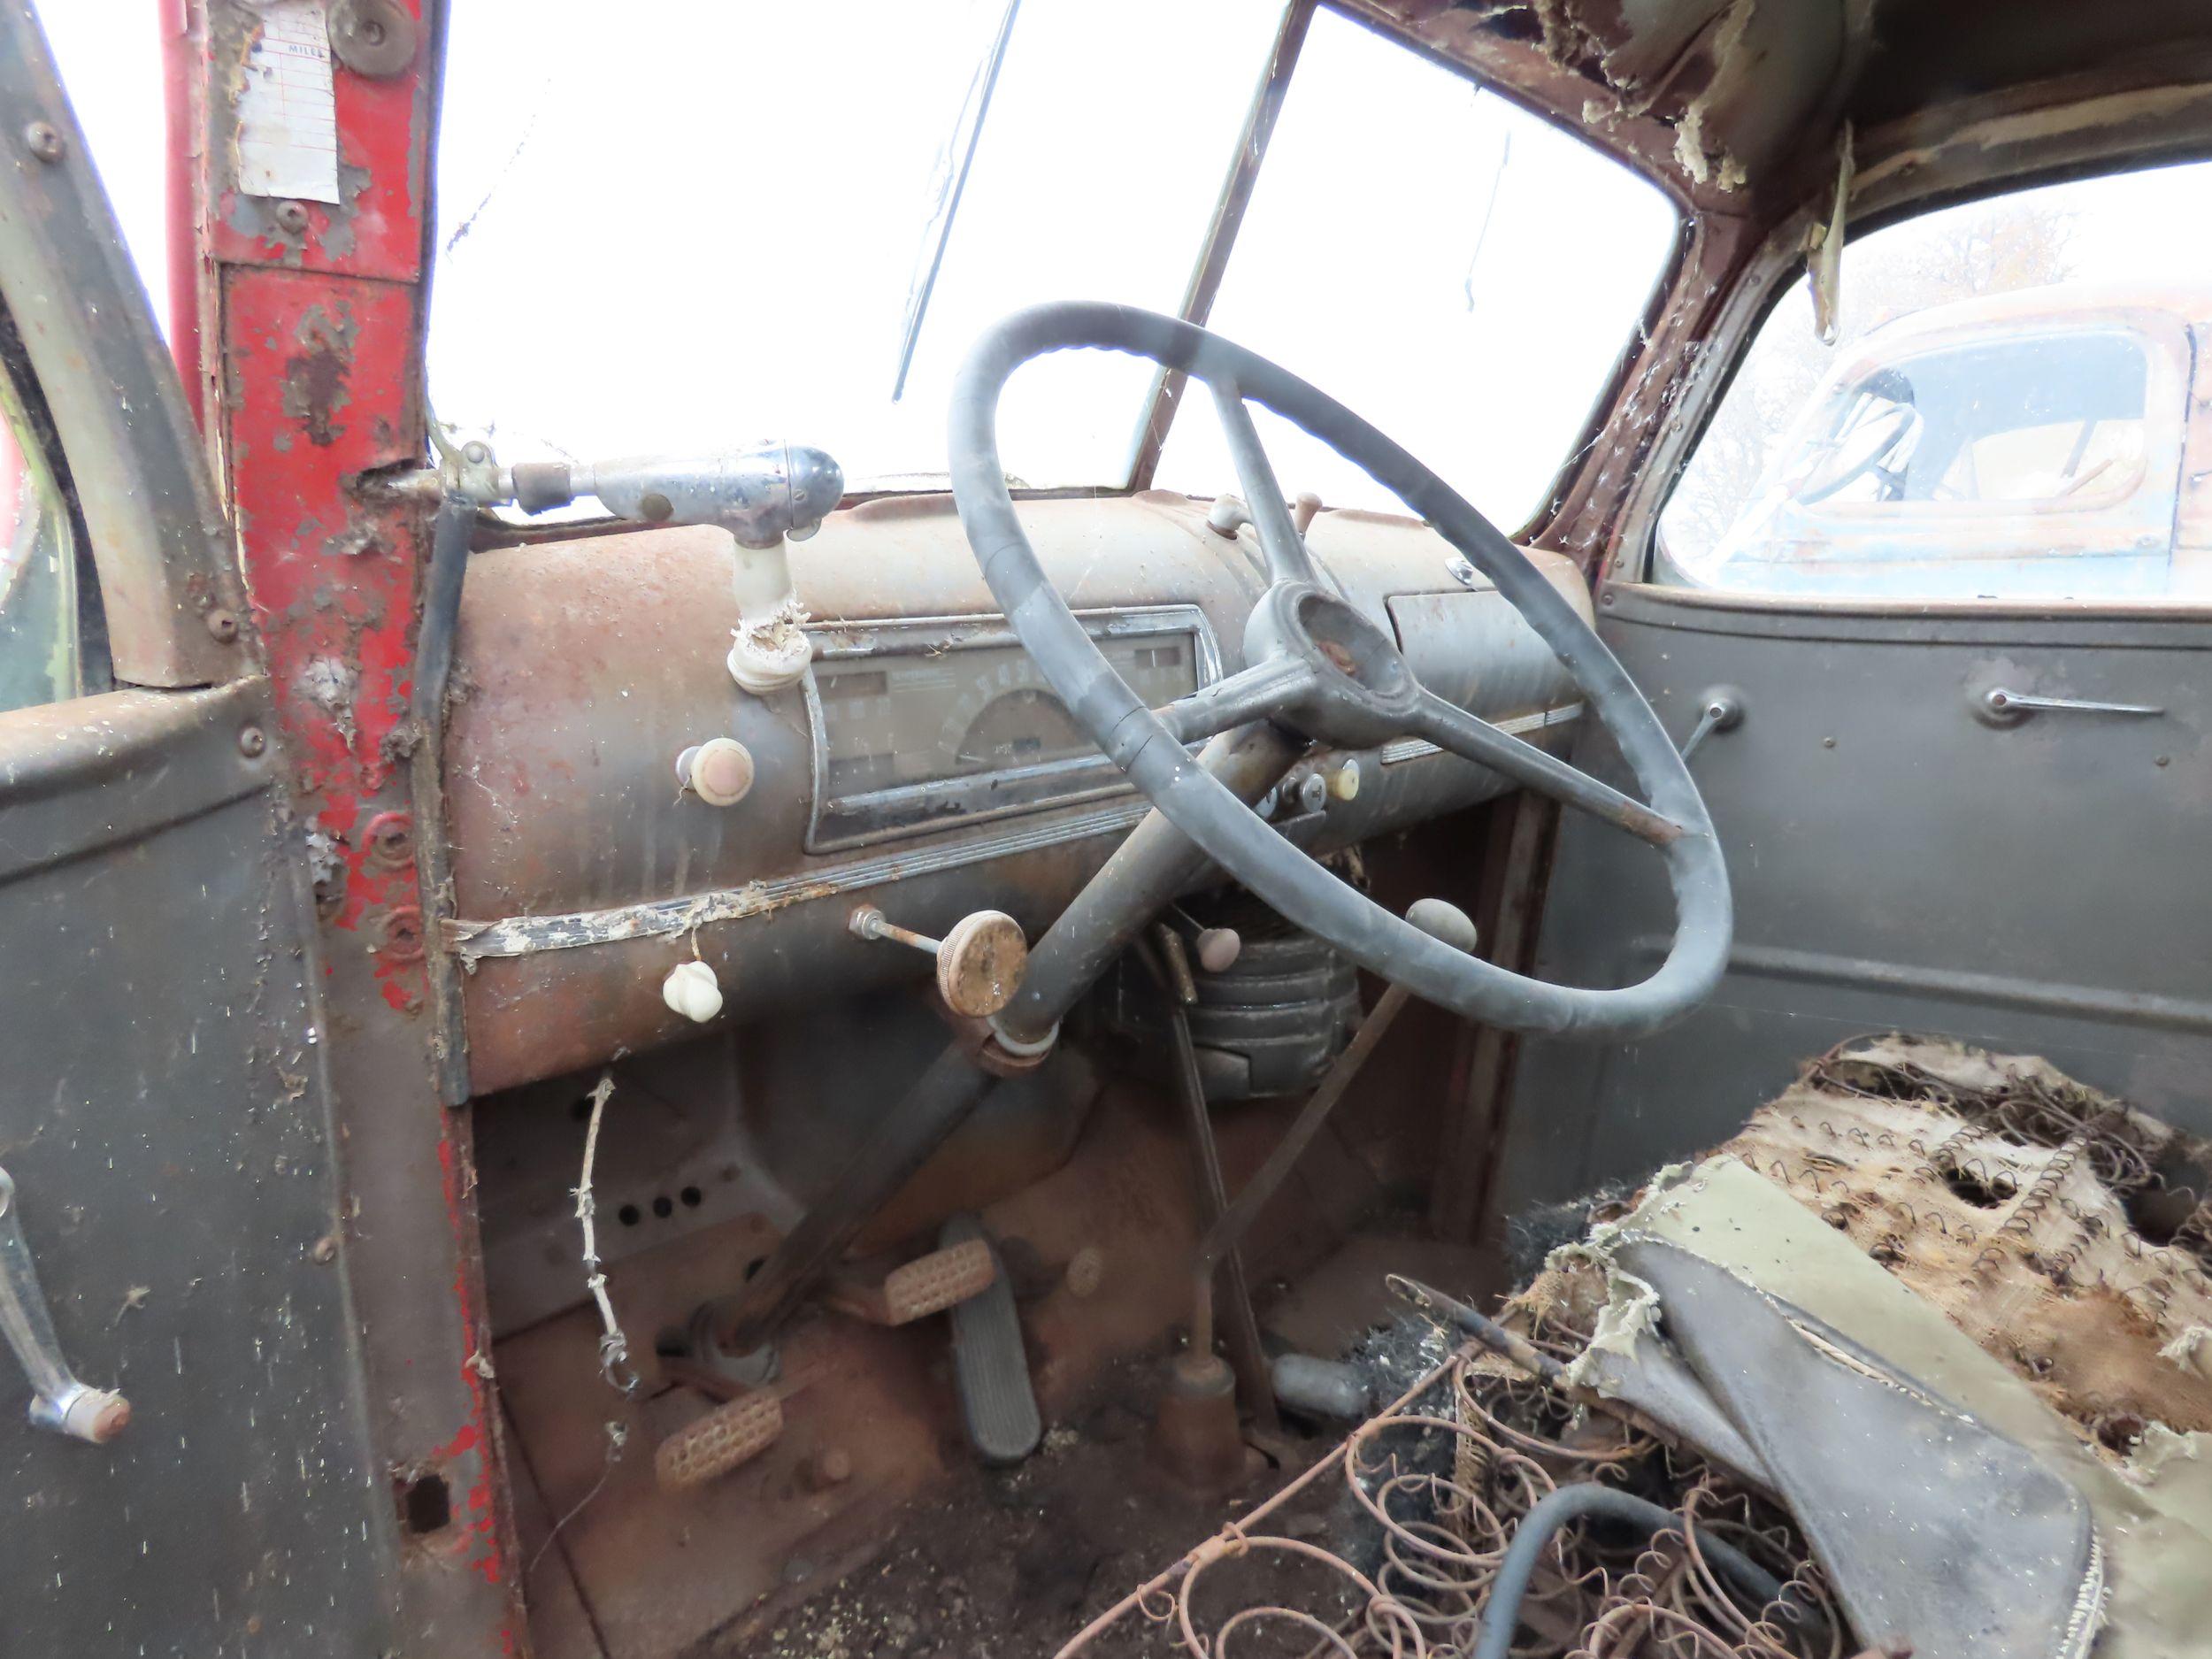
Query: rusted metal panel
x=377, y=229
x=318, y=324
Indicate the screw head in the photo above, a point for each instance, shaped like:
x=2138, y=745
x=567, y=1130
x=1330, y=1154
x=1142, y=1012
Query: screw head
x=223, y=624
x=391, y=835
x=401, y=933
x=43, y=139
x=476, y=452
x=292, y=216
x=253, y=742
x=326, y=1250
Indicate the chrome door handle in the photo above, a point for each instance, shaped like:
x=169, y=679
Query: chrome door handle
x=2003, y=703
x=59, y=1401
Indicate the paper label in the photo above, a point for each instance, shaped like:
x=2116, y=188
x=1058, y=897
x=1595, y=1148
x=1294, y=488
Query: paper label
x=287, y=120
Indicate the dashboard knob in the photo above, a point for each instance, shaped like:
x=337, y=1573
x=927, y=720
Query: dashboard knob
x=980, y=965
x=719, y=770
x=1344, y=782
x=979, y=962
x=693, y=991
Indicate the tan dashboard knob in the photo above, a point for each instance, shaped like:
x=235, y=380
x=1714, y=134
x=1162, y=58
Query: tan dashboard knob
x=980, y=963
x=719, y=770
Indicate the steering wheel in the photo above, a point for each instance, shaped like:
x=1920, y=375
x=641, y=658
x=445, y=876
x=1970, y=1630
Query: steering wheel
x=1317, y=667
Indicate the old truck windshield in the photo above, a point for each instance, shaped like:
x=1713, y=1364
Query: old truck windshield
x=704, y=224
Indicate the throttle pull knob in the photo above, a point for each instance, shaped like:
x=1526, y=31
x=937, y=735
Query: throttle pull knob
x=979, y=962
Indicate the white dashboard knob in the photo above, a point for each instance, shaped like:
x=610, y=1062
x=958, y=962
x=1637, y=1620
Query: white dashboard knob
x=719, y=770
x=1344, y=782
x=693, y=991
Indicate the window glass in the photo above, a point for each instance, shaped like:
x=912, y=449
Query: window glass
x=39, y=657
x=2003, y=414
x=1405, y=250
x=702, y=225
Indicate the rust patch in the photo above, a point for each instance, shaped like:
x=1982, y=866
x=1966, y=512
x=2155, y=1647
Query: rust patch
x=316, y=378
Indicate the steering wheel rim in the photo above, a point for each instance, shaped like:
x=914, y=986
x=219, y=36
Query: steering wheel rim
x=1314, y=667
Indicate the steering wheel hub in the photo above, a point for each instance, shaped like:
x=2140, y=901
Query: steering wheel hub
x=1362, y=693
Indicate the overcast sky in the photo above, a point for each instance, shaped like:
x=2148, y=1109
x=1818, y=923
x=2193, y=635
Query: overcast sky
x=702, y=227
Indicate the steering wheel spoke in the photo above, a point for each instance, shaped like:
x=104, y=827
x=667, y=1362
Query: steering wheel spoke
x=1451, y=729
x=1281, y=544
x=1261, y=692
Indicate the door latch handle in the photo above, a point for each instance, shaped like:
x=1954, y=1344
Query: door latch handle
x=59, y=1401
x=2005, y=706
x=1720, y=710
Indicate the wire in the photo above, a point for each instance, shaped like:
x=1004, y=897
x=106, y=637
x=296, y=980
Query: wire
x=614, y=1348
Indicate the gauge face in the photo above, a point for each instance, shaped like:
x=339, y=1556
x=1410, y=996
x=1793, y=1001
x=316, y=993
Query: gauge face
x=925, y=735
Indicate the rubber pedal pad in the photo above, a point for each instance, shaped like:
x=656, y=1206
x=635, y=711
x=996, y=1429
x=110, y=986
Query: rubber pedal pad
x=709, y=1448
x=931, y=1283
x=989, y=1366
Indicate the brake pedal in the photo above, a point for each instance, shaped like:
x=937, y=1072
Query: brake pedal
x=709, y=1447
x=990, y=1367
x=944, y=1279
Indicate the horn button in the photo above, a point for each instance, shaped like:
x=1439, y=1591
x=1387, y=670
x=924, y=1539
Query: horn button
x=1364, y=695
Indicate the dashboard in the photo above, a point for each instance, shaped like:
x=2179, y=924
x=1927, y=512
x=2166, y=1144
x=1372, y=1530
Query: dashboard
x=921, y=766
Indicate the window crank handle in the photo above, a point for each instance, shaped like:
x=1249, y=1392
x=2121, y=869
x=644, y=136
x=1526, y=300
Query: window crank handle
x=2004, y=703
x=59, y=1401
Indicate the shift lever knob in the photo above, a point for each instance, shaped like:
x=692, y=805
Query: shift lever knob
x=1445, y=922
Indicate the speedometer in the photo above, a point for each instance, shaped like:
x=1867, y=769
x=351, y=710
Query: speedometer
x=928, y=723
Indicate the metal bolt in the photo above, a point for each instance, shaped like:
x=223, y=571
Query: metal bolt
x=326, y=1250
x=831, y=1467
x=476, y=452
x=654, y=507
x=1086, y=1272
x=292, y=217
x=1827, y=743
x=2163, y=760
x=223, y=624
x=1606, y=598
x=43, y=140
x=253, y=742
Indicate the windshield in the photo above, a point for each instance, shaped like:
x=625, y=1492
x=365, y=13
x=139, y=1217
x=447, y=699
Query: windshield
x=707, y=224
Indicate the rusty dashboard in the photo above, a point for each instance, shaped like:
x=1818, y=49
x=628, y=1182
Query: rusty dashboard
x=920, y=766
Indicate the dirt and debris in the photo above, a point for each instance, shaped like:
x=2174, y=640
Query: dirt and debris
x=1014, y=1561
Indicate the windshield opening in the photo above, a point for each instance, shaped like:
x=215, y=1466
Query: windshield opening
x=736, y=255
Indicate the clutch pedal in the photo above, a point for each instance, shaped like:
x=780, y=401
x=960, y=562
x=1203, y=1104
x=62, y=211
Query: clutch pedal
x=944, y=1279
x=990, y=1367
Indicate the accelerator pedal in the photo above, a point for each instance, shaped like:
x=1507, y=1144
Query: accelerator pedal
x=709, y=1447
x=989, y=1365
x=944, y=1279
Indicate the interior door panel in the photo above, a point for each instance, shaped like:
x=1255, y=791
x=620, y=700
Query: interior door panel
x=168, y=1133
x=1899, y=860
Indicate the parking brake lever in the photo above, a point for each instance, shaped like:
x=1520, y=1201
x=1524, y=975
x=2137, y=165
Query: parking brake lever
x=60, y=1402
